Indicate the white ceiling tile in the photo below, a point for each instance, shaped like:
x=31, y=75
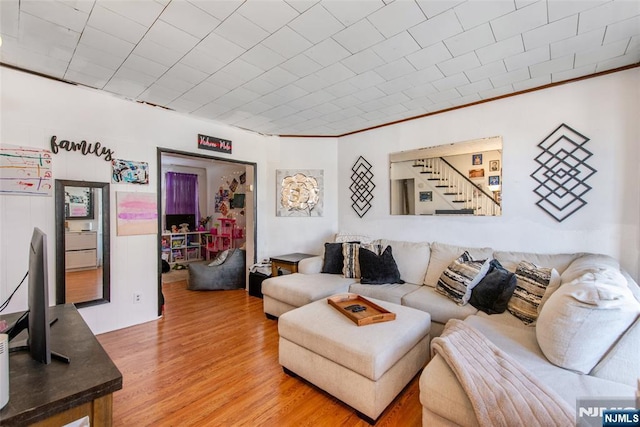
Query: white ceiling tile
x=427, y=75
x=363, y=61
x=341, y=89
x=279, y=77
x=87, y=68
x=242, y=31
x=143, y=12
x=552, y=66
x=396, y=47
x=312, y=83
x=510, y=77
x=144, y=65
x=601, y=53
x=335, y=73
x=125, y=87
x=562, y=9
x=395, y=69
x=578, y=43
x=365, y=80
x=311, y=100
x=451, y=82
x=170, y=37
x=159, y=95
x=432, y=8
x=186, y=73
x=550, y=33
x=262, y=57
x=9, y=17
x=236, y=97
x=225, y=80
x=242, y=70
x=528, y=58
x=220, y=48
x=157, y=53
x=283, y=95
x=85, y=79
x=522, y=20
x=45, y=38
x=201, y=60
x=233, y=116
x=270, y=15
x=327, y=52
x=301, y=65
x=204, y=93
x=418, y=92
x=117, y=25
x=256, y=107
x=623, y=29
x=104, y=42
x=468, y=99
x=56, y=13
x=369, y=93
x=471, y=40
x=259, y=86
x=286, y=42
x=486, y=71
x=532, y=83
x=277, y=112
x=436, y=29
x=189, y=18
x=573, y=73
x=396, y=17
x=500, y=50
x=143, y=79
x=82, y=5
x=429, y=56
x=475, y=87
x=211, y=110
x=473, y=13
x=497, y=92
x=220, y=9
x=350, y=12
x=174, y=84
x=447, y=95
x=326, y=108
x=301, y=5
x=620, y=61
x=608, y=13
x=184, y=105
x=459, y=64
x=97, y=57
x=359, y=36
x=346, y=101
x=316, y=24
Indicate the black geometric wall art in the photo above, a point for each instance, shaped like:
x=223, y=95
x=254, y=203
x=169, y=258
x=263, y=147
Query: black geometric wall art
x=563, y=172
x=361, y=186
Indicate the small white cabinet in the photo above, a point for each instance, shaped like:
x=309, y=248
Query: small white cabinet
x=81, y=249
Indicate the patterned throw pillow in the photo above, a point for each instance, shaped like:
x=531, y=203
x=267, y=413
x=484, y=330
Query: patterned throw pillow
x=350, y=251
x=461, y=276
x=219, y=259
x=532, y=282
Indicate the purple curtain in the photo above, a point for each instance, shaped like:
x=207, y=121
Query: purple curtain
x=182, y=194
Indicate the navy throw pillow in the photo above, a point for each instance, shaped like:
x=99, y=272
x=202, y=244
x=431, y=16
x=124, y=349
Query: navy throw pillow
x=378, y=269
x=333, y=258
x=494, y=291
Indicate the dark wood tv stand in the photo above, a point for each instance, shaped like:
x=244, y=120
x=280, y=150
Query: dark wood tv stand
x=59, y=393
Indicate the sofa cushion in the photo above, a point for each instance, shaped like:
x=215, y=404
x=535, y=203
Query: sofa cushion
x=622, y=364
x=588, y=263
x=392, y=292
x=494, y=291
x=443, y=254
x=412, y=259
x=378, y=269
x=441, y=308
x=532, y=282
x=350, y=251
x=461, y=276
x=333, y=259
x=300, y=289
x=344, y=237
x=584, y=318
x=510, y=260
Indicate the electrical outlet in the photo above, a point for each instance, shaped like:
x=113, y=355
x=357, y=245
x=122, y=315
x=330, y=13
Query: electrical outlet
x=137, y=297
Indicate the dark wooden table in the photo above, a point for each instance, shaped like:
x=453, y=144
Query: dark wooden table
x=287, y=262
x=59, y=393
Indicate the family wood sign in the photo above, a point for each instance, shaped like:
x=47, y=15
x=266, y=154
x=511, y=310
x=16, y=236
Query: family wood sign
x=83, y=146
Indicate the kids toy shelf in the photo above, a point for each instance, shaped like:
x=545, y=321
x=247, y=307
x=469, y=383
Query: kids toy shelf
x=183, y=247
x=222, y=238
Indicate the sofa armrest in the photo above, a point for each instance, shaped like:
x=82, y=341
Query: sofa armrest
x=311, y=265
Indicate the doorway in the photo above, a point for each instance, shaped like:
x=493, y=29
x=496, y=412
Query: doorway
x=226, y=194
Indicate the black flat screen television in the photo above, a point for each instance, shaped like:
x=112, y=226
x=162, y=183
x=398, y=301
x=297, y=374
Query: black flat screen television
x=36, y=318
x=177, y=219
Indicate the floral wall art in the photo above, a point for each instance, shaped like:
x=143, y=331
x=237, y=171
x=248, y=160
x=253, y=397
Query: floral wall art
x=300, y=192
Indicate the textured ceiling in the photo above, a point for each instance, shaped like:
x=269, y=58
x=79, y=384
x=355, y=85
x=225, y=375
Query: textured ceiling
x=304, y=67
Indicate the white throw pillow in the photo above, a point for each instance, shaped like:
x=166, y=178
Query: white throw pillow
x=411, y=258
x=219, y=259
x=583, y=319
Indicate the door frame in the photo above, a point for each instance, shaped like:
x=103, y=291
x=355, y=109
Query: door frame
x=160, y=151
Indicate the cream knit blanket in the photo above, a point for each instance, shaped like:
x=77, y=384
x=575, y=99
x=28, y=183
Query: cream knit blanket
x=502, y=392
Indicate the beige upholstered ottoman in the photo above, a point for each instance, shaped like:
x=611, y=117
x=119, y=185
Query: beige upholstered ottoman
x=364, y=366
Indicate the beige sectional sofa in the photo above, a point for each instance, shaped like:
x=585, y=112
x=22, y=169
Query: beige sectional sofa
x=584, y=344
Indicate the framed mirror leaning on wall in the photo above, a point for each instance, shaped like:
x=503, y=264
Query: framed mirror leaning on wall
x=464, y=178
x=83, y=273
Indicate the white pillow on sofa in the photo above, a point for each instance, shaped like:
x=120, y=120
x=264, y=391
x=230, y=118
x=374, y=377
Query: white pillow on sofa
x=582, y=319
x=443, y=254
x=412, y=259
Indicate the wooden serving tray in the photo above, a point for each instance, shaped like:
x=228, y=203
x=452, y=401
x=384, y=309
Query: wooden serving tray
x=373, y=314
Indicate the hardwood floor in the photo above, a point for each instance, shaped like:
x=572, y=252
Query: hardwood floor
x=212, y=360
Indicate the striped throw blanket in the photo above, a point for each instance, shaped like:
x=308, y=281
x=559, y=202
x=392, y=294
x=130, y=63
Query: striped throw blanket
x=502, y=392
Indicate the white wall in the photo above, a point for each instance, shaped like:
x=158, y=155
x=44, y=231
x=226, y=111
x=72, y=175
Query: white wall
x=605, y=109
x=33, y=109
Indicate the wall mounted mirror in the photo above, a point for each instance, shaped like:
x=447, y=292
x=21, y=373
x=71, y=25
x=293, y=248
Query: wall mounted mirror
x=463, y=178
x=83, y=272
